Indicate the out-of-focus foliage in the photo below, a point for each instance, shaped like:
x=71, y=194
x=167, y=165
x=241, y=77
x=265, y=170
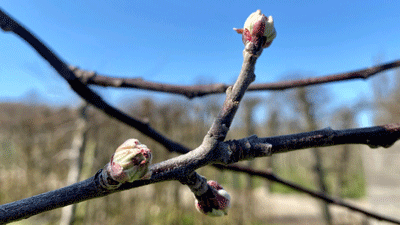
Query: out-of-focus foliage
x=35, y=141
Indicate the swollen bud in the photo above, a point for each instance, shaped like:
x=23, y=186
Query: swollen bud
x=216, y=204
x=130, y=162
x=257, y=27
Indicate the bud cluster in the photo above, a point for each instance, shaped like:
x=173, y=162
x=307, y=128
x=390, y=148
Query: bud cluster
x=215, y=202
x=258, y=28
x=130, y=162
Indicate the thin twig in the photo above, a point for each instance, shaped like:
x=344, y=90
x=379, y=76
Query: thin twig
x=90, y=188
x=316, y=194
x=168, y=170
x=91, y=77
x=376, y=136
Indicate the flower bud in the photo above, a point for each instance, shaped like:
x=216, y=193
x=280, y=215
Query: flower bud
x=258, y=26
x=130, y=162
x=216, y=205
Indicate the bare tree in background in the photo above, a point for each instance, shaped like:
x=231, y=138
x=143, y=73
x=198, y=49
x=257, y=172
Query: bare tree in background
x=307, y=108
x=123, y=173
x=75, y=161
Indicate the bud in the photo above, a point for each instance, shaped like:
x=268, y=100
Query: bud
x=258, y=26
x=130, y=162
x=218, y=204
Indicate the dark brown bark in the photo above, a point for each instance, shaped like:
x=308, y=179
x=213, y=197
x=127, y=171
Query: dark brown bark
x=90, y=77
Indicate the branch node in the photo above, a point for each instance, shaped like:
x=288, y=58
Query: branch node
x=229, y=90
x=252, y=137
x=106, y=182
x=196, y=183
x=117, y=82
x=265, y=148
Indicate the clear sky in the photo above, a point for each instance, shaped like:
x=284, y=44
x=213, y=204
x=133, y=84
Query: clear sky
x=187, y=42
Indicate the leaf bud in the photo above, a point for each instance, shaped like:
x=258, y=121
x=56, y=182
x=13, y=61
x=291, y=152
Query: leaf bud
x=130, y=162
x=217, y=204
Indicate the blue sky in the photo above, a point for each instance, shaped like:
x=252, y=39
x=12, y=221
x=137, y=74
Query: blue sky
x=186, y=42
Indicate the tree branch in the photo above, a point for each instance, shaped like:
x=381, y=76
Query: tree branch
x=90, y=77
x=377, y=136
x=168, y=170
x=9, y=24
x=316, y=194
x=242, y=149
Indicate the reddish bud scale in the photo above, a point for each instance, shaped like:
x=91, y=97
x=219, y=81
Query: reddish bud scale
x=258, y=29
x=215, y=202
x=130, y=162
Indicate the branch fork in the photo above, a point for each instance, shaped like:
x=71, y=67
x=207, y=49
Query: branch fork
x=255, y=40
x=213, y=200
